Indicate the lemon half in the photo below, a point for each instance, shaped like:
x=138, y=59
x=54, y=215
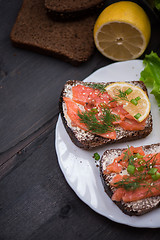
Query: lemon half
x=140, y=108
x=122, y=31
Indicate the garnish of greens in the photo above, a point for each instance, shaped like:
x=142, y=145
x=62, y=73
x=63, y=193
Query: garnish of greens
x=157, y=4
x=98, y=86
x=96, y=156
x=151, y=74
x=154, y=4
x=139, y=169
x=98, y=124
x=122, y=95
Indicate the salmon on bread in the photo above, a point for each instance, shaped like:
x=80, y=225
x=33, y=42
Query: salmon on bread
x=93, y=118
x=131, y=178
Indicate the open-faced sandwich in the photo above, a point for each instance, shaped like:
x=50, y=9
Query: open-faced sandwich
x=95, y=114
x=131, y=178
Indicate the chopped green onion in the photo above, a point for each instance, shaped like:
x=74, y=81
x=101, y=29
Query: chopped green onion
x=140, y=169
x=137, y=115
x=96, y=156
x=134, y=101
x=138, y=155
x=131, y=169
x=142, y=161
x=137, y=98
x=156, y=176
x=128, y=91
x=152, y=171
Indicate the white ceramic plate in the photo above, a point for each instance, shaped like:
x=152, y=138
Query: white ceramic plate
x=79, y=168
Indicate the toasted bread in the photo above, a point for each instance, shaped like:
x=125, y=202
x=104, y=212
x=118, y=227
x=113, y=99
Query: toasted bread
x=71, y=10
x=69, y=41
x=88, y=140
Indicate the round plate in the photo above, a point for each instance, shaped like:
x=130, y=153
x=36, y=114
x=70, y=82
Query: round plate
x=79, y=167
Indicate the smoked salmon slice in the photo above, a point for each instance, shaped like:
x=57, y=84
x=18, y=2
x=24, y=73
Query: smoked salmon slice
x=138, y=194
x=72, y=112
x=132, y=125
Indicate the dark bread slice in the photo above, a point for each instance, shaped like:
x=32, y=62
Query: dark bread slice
x=72, y=9
x=70, y=41
x=87, y=140
x=136, y=208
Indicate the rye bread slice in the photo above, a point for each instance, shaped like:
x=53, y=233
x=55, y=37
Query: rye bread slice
x=70, y=41
x=72, y=9
x=136, y=208
x=87, y=140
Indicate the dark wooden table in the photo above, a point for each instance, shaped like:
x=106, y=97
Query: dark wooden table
x=35, y=200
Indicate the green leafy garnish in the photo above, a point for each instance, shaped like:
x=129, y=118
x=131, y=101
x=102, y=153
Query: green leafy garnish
x=98, y=86
x=98, y=124
x=121, y=95
x=157, y=4
x=134, y=102
x=131, y=169
x=139, y=156
x=152, y=171
x=137, y=115
x=151, y=74
x=156, y=176
x=96, y=156
x=131, y=160
x=128, y=91
x=127, y=184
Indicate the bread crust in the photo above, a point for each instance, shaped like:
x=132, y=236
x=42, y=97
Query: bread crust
x=90, y=141
x=71, y=10
x=135, y=208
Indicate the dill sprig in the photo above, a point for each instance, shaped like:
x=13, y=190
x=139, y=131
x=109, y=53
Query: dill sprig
x=98, y=123
x=127, y=184
x=122, y=95
x=98, y=86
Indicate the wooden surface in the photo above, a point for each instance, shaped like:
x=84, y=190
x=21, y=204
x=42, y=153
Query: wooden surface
x=35, y=200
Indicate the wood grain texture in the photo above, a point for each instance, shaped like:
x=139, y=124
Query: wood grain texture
x=36, y=202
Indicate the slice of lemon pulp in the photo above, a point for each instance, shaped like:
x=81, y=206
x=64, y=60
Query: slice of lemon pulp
x=122, y=31
x=140, y=108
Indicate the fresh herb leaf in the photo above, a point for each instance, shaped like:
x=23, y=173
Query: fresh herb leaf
x=131, y=169
x=134, y=102
x=131, y=160
x=157, y=4
x=96, y=156
x=132, y=185
x=151, y=74
x=98, y=124
x=152, y=171
x=127, y=184
x=128, y=91
x=137, y=115
x=122, y=95
x=98, y=86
